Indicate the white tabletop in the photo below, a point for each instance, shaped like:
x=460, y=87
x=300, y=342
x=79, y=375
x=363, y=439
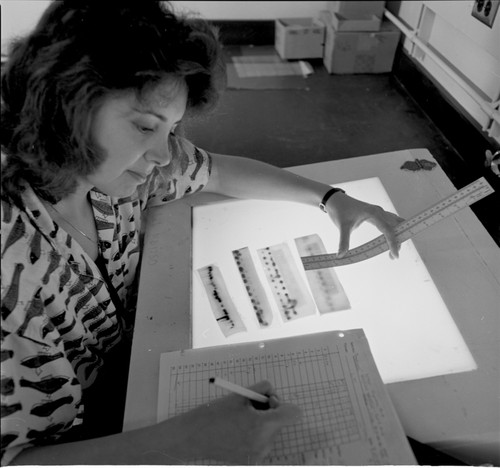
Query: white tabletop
x=457, y=413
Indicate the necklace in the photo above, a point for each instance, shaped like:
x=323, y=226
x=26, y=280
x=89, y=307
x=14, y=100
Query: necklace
x=72, y=225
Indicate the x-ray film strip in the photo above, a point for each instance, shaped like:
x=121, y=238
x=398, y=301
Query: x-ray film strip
x=407, y=229
x=222, y=306
x=289, y=291
x=253, y=286
x=326, y=288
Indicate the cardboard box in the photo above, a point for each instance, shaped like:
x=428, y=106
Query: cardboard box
x=349, y=52
x=299, y=38
x=353, y=9
x=358, y=23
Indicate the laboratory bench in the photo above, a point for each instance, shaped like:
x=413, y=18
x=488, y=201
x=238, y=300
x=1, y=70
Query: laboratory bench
x=455, y=413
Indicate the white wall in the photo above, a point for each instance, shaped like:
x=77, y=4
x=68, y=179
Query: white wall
x=18, y=17
x=253, y=10
x=470, y=49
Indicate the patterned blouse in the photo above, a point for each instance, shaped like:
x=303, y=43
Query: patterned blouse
x=57, y=313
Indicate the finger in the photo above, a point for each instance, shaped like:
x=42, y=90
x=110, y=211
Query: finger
x=395, y=220
x=393, y=244
x=345, y=234
x=274, y=401
x=390, y=236
x=264, y=386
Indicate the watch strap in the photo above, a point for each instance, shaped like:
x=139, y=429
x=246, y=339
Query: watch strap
x=332, y=191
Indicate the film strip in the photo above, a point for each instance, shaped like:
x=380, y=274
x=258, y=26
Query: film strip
x=289, y=290
x=326, y=288
x=253, y=286
x=222, y=306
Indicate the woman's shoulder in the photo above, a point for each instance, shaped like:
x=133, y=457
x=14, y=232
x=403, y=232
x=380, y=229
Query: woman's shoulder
x=8, y=212
x=27, y=257
x=14, y=227
x=14, y=204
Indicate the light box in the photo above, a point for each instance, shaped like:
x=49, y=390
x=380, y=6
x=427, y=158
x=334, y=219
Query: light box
x=411, y=332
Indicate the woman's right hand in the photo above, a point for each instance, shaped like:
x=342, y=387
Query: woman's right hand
x=228, y=430
x=231, y=430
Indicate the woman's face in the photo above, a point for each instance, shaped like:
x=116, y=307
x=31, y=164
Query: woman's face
x=134, y=134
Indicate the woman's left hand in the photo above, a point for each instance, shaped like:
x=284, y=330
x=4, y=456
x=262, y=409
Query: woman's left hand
x=348, y=213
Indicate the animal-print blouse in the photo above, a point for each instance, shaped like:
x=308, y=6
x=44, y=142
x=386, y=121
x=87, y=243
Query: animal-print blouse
x=57, y=313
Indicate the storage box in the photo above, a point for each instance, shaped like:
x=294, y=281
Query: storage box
x=355, y=9
x=360, y=51
x=299, y=38
x=358, y=23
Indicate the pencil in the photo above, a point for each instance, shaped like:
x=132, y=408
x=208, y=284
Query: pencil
x=246, y=392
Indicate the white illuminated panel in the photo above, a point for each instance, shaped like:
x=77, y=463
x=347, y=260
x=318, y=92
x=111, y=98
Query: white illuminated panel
x=411, y=332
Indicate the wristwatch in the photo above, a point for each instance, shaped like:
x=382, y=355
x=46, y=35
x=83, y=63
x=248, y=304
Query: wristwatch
x=332, y=191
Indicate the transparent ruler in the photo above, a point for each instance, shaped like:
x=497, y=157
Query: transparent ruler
x=407, y=229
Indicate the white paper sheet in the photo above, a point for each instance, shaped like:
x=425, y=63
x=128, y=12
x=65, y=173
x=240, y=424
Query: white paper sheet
x=348, y=418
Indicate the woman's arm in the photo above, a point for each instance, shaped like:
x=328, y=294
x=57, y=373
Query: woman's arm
x=228, y=430
x=250, y=179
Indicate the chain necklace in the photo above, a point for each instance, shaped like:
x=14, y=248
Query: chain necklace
x=73, y=226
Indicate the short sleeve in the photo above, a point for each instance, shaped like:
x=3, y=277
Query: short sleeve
x=188, y=173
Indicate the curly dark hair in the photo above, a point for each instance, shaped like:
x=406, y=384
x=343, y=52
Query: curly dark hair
x=80, y=52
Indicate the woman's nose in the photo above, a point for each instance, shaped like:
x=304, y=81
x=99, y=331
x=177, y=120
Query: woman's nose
x=160, y=152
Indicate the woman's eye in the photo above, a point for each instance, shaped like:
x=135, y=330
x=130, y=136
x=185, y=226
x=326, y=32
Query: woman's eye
x=144, y=128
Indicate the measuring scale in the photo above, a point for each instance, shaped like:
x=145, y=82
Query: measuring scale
x=407, y=229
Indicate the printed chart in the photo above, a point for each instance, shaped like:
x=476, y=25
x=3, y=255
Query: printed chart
x=347, y=414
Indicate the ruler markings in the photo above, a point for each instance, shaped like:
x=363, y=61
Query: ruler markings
x=450, y=205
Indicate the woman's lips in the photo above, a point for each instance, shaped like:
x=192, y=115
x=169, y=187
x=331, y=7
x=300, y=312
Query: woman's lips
x=141, y=178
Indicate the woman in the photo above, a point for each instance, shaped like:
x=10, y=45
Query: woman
x=92, y=101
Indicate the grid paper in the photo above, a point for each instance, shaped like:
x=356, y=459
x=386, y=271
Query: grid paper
x=332, y=377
